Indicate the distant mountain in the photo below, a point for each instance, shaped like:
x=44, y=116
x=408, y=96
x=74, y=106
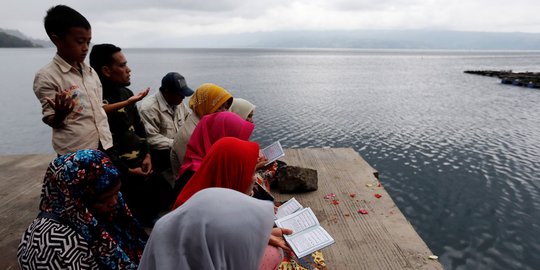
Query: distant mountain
x=362, y=39
x=9, y=41
x=14, y=38
x=372, y=39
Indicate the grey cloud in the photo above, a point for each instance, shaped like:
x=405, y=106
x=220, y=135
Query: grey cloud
x=370, y=5
x=104, y=6
x=138, y=22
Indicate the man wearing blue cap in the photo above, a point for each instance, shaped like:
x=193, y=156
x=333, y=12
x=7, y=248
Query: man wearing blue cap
x=163, y=114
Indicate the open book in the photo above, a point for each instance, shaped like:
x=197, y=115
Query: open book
x=287, y=208
x=273, y=152
x=308, y=235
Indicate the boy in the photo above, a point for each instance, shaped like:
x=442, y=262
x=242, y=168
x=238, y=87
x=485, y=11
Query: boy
x=69, y=91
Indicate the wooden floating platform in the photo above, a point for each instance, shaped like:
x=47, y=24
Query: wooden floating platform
x=381, y=239
x=525, y=79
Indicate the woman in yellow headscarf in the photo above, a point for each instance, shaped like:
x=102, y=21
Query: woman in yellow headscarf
x=208, y=98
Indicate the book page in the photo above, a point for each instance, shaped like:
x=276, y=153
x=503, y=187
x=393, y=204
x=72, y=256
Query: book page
x=298, y=221
x=289, y=207
x=309, y=241
x=273, y=152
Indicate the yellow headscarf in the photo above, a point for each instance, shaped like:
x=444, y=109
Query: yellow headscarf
x=208, y=98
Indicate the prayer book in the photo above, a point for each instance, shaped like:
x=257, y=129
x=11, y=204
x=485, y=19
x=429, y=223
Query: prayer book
x=273, y=152
x=308, y=235
x=287, y=208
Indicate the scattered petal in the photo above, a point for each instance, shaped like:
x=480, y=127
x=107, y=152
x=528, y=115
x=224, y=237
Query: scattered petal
x=362, y=211
x=369, y=185
x=335, y=202
x=352, y=195
x=330, y=196
x=378, y=195
x=433, y=257
x=379, y=185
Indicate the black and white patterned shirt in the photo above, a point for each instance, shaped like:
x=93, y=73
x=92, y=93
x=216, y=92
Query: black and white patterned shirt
x=48, y=244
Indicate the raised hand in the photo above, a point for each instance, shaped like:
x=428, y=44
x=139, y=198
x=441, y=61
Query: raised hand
x=63, y=104
x=135, y=98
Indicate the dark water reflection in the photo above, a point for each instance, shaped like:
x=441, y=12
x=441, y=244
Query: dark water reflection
x=458, y=153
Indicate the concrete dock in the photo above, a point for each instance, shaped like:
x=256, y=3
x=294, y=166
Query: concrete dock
x=380, y=239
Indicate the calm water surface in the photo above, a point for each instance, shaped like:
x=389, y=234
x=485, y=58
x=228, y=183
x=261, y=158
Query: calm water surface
x=458, y=153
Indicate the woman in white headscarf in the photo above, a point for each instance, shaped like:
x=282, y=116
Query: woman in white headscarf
x=264, y=175
x=243, y=108
x=217, y=228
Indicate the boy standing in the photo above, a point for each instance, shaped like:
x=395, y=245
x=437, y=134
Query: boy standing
x=69, y=91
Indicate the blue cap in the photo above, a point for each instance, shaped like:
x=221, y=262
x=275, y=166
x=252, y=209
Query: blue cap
x=175, y=83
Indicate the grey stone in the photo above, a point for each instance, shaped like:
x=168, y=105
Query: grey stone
x=292, y=179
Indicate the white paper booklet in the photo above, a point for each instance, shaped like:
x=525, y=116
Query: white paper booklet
x=308, y=235
x=273, y=152
x=287, y=208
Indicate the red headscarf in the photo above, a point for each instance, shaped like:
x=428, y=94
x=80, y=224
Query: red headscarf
x=230, y=163
x=211, y=128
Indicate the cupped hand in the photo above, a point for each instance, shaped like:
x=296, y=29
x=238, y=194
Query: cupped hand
x=62, y=104
x=135, y=98
x=138, y=171
x=146, y=165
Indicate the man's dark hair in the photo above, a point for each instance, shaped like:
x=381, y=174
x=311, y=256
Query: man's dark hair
x=60, y=19
x=102, y=55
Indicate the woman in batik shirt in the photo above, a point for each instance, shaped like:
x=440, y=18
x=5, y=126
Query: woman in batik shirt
x=84, y=222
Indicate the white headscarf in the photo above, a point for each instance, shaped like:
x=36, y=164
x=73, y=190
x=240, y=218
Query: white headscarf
x=217, y=228
x=242, y=107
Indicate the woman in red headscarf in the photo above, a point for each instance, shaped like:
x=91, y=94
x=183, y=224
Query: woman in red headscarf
x=230, y=163
x=210, y=129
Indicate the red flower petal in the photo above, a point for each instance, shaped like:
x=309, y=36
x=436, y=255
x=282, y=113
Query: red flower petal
x=362, y=211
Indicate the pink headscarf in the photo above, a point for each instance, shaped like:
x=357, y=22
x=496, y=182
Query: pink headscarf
x=211, y=128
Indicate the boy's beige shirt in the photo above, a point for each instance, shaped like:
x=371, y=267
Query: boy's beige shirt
x=86, y=126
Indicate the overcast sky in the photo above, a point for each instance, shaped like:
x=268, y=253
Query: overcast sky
x=147, y=23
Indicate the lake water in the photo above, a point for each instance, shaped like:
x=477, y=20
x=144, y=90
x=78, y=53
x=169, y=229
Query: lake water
x=458, y=153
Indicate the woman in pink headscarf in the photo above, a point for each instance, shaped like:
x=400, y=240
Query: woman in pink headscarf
x=210, y=129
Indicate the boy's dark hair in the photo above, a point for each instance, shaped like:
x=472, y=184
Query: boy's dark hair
x=60, y=19
x=102, y=55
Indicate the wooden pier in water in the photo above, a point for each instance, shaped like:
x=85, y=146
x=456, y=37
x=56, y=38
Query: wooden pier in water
x=380, y=239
